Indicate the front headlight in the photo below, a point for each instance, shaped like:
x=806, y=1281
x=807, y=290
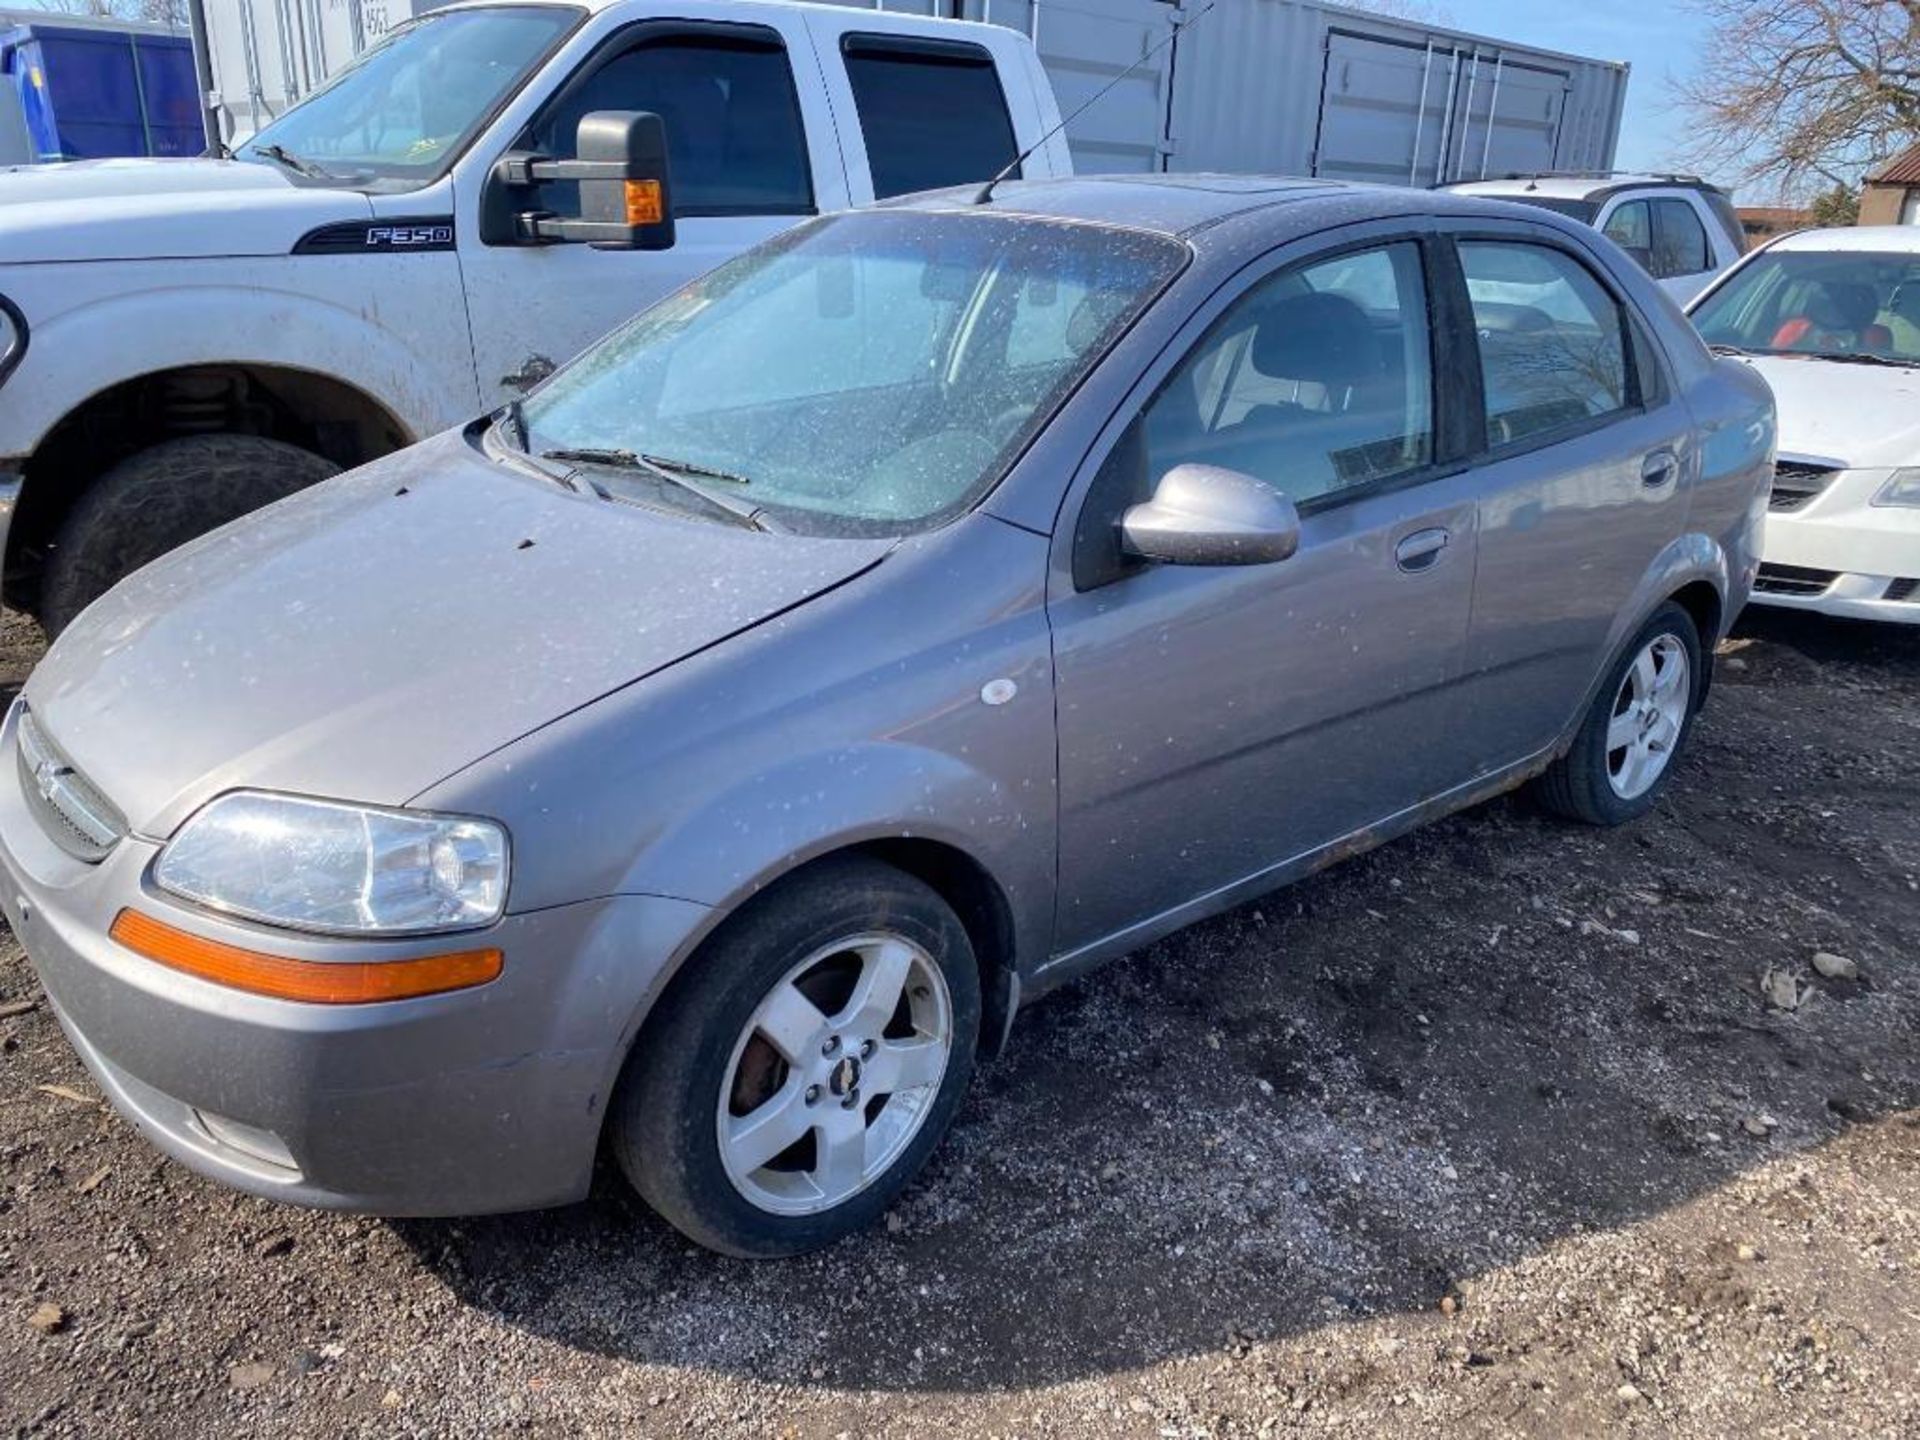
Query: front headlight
x=343, y=869
x=1902, y=488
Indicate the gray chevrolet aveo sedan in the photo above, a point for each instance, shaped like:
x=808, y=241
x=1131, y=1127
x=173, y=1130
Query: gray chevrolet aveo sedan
x=706, y=759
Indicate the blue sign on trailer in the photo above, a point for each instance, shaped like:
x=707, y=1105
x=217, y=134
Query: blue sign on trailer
x=87, y=93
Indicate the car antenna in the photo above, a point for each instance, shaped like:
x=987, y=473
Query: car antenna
x=985, y=193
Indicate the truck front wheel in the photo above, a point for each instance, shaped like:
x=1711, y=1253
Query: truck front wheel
x=159, y=499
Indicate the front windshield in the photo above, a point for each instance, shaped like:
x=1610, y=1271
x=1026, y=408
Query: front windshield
x=1837, y=303
x=871, y=373
x=405, y=108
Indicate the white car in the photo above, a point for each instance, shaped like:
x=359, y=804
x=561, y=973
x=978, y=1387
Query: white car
x=1682, y=230
x=1831, y=319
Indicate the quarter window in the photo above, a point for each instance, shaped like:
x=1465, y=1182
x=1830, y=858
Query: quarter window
x=931, y=112
x=734, y=137
x=1680, y=246
x=1552, y=340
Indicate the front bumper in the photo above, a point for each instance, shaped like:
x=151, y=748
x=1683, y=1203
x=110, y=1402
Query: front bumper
x=1839, y=554
x=480, y=1100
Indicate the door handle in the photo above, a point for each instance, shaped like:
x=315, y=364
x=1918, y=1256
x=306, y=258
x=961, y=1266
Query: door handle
x=1659, y=468
x=1421, y=549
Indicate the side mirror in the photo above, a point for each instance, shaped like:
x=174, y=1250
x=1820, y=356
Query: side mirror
x=620, y=166
x=1207, y=515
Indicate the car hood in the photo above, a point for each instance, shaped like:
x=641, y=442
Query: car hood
x=161, y=209
x=368, y=637
x=1858, y=417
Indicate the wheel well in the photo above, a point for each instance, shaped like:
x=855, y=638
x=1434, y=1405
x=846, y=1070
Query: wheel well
x=1702, y=602
x=302, y=407
x=982, y=906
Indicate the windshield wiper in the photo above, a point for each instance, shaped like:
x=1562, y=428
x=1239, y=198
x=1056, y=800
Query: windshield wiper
x=283, y=156
x=1720, y=348
x=1862, y=357
x=745, y=512
x=694, y=467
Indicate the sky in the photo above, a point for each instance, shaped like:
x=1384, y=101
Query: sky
x=1657, y=37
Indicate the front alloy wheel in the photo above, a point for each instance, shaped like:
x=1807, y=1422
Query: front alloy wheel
x=835, y=1073
x=804, y=1063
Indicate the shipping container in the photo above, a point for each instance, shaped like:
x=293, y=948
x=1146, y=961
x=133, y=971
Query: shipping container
x=80, y=89
x=1290, y=87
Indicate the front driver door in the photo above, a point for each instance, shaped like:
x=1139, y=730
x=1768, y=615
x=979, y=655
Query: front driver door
x=752, y=150
x=1216, y=723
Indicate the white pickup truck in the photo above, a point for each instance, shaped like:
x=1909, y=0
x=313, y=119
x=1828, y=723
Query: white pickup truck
x=423, y=239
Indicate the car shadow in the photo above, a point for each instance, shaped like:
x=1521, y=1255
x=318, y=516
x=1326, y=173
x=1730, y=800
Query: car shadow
x=1356, y=1095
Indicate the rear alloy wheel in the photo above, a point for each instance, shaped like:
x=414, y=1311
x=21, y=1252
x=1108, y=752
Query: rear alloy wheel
x=804, y=1064
x=1637, y=724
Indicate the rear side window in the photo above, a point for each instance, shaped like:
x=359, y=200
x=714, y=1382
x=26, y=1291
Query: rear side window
x=1680, y=241
x=734, y=138
x=1553, y=341
x=931, y=111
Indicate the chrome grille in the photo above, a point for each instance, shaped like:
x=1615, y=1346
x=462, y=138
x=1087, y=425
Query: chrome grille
x=80, y=819
x=1795, y=482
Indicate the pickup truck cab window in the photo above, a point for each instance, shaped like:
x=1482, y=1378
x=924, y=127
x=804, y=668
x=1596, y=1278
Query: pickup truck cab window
x=401, y=113
x=734, y=136
x=931, y=111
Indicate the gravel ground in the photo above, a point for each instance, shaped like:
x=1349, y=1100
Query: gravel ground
x=1493, y=1129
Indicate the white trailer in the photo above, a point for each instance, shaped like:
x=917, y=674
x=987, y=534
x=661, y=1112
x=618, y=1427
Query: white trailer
x=1292, y=87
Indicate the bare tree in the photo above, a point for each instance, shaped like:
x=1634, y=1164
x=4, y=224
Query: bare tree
x=164, y=12
x=1805, y=93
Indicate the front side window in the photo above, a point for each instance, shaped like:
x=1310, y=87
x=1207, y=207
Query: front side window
x=851, y=377
x=1552, y=340
x=1316, y=381
x=1680, y=241
x=1839, y=304
x=931, y=112
x=1630, y=227
x=399, y=114
x=735, y=145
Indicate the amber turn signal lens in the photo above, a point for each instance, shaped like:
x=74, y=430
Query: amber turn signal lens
x=351, y=982
x=643, y=203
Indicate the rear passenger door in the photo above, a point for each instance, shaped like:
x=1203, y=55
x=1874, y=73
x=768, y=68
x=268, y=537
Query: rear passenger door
x=1216, y=723
x=752, y=150
x=1585, y=480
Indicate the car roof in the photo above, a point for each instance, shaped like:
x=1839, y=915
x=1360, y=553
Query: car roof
x=894, y=20
x=1882, y=238
x=1185, y=206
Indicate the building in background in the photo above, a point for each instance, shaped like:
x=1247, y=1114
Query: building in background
x=1762, y=222
x=1892, y=193
x=1290, y=87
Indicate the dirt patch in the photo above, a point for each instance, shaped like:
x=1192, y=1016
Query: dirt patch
x=1492, y=1129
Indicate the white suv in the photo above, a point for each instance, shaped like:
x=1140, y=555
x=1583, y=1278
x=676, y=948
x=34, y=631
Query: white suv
x=1682, y=230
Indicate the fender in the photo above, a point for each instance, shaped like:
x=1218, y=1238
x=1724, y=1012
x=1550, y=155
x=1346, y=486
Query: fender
x=394, y=350
x=756, y=832
x=1685, y=560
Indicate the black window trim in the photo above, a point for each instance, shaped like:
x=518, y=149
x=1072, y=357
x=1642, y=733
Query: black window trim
x=1452, y=417
x=931, y=49
x=1641, y=401
x=744, y=35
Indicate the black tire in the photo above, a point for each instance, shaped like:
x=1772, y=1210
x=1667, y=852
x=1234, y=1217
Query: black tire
x=664, y=1130
x=1577, y=785
x=159, y=499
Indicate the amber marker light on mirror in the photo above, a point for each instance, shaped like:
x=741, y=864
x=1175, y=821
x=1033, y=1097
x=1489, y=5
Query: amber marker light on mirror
x=644, y=205
x=350, y=982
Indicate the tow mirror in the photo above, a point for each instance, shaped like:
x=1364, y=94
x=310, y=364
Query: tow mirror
x=620, y=165
x=1207, y=515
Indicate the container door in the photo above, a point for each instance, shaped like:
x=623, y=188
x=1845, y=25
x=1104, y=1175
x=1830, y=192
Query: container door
x=1509, y=119
x=1127, y=132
